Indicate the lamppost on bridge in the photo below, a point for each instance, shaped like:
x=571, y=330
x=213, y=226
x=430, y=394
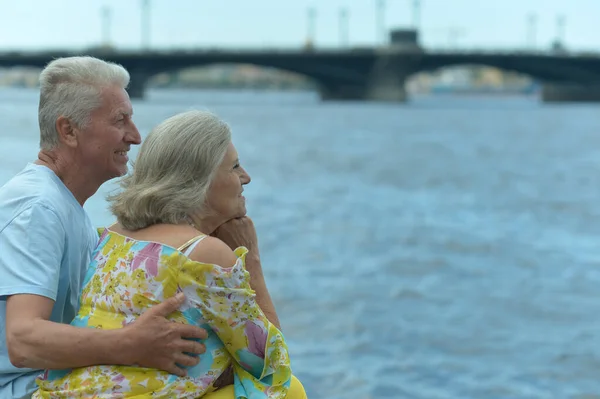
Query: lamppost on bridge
x=311, y=19
x=344, y=27
x=416, y=5
x=561, y=23
x=380, y=22
x=532, y=30
x=105, y=15
x=145, y=24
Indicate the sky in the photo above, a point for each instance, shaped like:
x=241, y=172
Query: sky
x=468, y=24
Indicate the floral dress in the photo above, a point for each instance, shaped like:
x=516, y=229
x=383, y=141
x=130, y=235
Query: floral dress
x=127, y=277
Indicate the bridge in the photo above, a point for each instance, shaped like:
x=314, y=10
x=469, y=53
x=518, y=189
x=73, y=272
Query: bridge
x=377, y=74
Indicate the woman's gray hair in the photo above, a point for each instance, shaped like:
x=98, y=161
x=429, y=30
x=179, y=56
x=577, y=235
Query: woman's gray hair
x=71, y=87
x=173, y=171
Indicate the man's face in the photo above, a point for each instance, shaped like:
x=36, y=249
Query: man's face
x=104, y=143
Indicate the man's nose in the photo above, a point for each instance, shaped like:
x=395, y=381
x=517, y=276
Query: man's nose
x=133, y=135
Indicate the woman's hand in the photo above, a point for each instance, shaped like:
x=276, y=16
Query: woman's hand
x=238, y=232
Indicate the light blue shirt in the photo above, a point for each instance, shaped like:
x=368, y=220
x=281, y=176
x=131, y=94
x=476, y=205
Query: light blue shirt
x=46, y=243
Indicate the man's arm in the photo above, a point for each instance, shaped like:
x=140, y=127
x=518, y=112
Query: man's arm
x=34, y=342
x=31, y=249
x=151, y=341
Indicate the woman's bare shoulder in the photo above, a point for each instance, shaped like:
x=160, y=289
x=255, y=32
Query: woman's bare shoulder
x=211, y=250
x=166, y=234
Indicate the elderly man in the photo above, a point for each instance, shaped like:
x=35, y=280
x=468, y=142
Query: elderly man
x=46, y=237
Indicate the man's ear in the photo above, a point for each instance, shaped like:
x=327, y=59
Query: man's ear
x=66, y=131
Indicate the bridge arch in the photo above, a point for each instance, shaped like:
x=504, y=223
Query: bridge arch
x=291, y=72
x=471, y=78
x=232, y=75
x=560, y=78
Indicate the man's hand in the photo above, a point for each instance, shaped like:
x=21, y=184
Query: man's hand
x=151, y=341
x=162, y=344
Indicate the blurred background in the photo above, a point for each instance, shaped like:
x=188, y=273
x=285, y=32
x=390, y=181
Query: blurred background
x=425, y=172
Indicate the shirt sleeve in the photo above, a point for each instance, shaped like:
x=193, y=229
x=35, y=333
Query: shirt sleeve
x=31, y=250
x=228, y=305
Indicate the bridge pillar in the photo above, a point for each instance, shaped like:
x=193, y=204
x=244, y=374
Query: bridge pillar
x=568, y=92
x=386, y=80
x=137, y=83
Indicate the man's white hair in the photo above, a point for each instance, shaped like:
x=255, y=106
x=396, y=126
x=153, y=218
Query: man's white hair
x=71, y=87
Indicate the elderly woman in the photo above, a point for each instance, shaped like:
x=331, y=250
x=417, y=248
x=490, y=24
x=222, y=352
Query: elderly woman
x=179, y=214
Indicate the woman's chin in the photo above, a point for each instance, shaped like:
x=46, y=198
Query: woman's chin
x=241, y=211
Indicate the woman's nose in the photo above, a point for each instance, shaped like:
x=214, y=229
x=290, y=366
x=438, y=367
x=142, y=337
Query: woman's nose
x=245, y=177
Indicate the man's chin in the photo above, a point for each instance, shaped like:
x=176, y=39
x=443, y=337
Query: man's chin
x=122, y=172
x=117, y=174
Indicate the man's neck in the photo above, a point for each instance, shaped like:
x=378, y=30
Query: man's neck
x=72, y=174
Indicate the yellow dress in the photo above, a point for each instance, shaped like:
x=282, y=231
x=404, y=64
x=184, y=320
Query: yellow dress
x=127, y=277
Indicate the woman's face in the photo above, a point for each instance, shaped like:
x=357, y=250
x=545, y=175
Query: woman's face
x=225, y=193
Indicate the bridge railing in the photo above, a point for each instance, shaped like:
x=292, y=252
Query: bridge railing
x=297, y=50
x=513, y=51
